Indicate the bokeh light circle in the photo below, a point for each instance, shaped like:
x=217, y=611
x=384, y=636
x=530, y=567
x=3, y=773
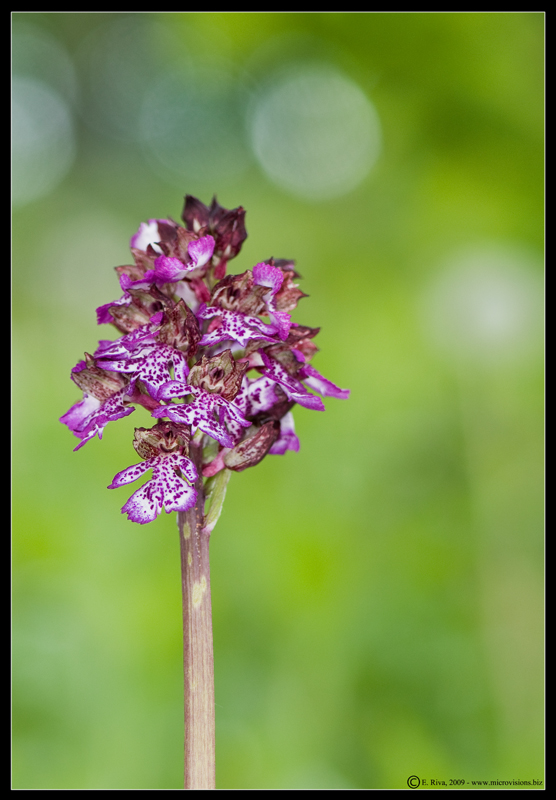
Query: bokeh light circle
x=486, y=305
x=43, y=142
x=315, y=133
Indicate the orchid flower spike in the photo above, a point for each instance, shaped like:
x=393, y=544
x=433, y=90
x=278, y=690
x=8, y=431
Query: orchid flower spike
x=215, y=359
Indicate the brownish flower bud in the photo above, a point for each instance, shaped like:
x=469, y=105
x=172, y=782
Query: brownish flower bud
x=227, y=226
x=180, y=329
x=163, y=438
x=289, y=294
x=239, y=293
x=250, y=451
x=221, y=374
x=96, y=381
x=195, y=214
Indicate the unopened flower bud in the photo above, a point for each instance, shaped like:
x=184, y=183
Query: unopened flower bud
x=221, y=374
x=162, y=439
x=97, y=382
x=180, y=329
x=239, y=293
x=250, y=451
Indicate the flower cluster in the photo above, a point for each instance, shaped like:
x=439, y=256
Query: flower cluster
x=216, y=356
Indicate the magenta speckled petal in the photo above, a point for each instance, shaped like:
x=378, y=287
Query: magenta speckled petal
x=259, y=395
x=166, y=489
x=122, y=347
x=195, y=416
x=151, y=364
x=292, y=387
x=200, y=413
x=154, y=369
x=89, y=417
x=266, y=275
x=130, y=474
x=236, y=326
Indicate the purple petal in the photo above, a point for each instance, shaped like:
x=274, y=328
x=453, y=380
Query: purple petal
x=122, y=347
x=148, y=234
x=151, y=364
x=258, y=396
x=197, y=417
x=166, y=489
x=87, y=418
x=316, y=381
x=78, y=413
x=287, y=439
x=174, y=389
x=131, y=474
x=166, y=270
x=201, y=412
x=201, y=250
x=266, y=275
x=145, y=504
x=154, y=368
x=292, y=387
x=239, y=327
x=103, y=312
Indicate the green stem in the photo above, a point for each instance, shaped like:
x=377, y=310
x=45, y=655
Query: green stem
x=198, y=657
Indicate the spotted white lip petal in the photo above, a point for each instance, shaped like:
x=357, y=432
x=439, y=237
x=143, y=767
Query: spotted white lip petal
x=193, y=415
x=236, y=326
x=200, y=413
x=131, y=474
x=151, y=365
x=166, y=489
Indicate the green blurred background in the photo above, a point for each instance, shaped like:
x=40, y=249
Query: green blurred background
x=378, y=596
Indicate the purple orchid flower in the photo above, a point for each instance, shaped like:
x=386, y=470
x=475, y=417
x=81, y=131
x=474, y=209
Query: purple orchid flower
x=165, y=489
x=150, y=364
x=293, y=388
x=201, y=412
x=191, y=342
x=169, y=269
x=266, y=275
x=90, y=416
x=234, y=326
